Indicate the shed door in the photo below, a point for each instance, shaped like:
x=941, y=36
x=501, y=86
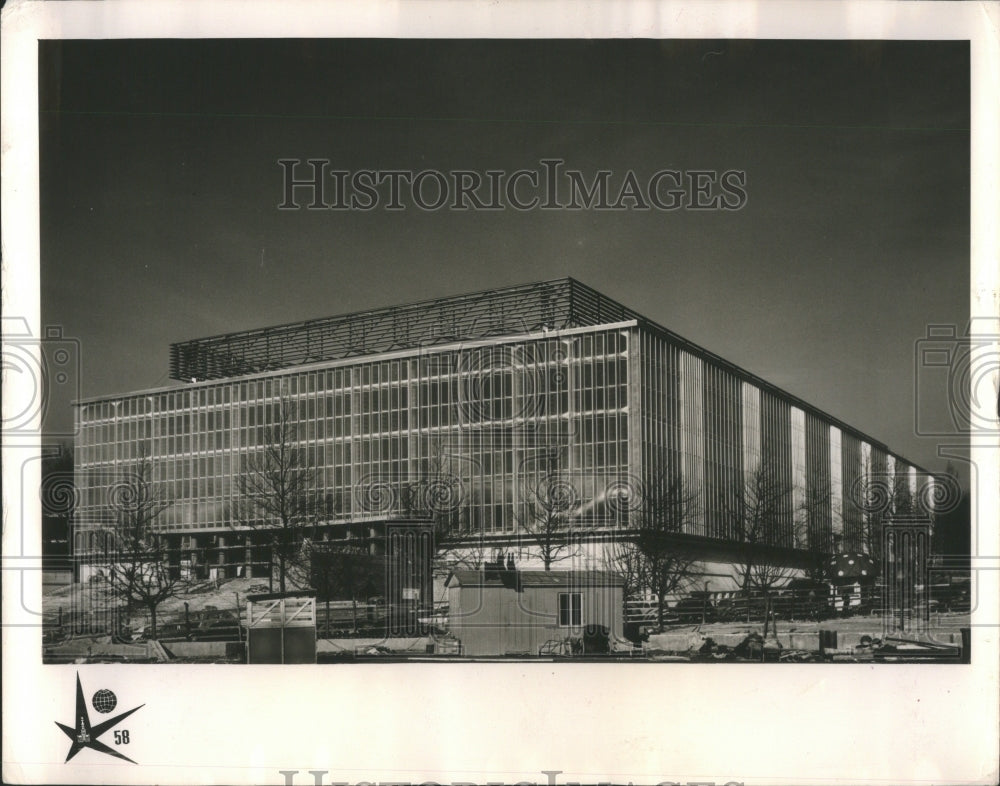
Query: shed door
x=514, y=624
x=493, y=633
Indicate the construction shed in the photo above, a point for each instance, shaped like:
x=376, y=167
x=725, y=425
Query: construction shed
x=497, y=612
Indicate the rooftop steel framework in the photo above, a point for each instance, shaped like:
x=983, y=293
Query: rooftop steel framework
x=558, y=304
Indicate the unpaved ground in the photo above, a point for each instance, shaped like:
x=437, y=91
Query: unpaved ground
x=870, y=624
x=230, y=594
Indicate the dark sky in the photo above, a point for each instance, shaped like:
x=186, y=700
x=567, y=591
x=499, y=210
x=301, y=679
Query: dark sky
x=160, y=187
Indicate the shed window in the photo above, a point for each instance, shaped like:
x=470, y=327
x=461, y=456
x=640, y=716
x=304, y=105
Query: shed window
x=570, y=609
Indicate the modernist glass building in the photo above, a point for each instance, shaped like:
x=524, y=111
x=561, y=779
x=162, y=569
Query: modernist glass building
x=459, y=406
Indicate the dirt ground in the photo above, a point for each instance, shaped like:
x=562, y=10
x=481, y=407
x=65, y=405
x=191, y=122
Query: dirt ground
x=230, y=595
x=871, y=624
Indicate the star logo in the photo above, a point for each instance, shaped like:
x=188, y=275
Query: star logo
x=84, y=735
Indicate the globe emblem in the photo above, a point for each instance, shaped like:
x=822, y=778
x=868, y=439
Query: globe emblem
x=104, y=700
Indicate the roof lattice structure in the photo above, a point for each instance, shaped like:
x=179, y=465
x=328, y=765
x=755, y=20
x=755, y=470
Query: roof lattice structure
x=559, y=304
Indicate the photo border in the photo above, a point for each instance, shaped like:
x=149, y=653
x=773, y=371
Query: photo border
x=591, y=722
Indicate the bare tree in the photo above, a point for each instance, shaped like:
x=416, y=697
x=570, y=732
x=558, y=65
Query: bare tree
x=760, y=515
x=344, y=570
x=874, y=496
x=625, y=559
x=138, y=568
x=548, y=508
x=441, y=495
x=277, y=495
x=648, y=556
x=814, y=514
x=881, y=498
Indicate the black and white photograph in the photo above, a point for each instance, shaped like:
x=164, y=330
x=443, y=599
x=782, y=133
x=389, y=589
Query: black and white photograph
x=379, y=381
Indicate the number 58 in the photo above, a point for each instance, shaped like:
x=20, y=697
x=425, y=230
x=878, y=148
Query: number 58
x=121, y=737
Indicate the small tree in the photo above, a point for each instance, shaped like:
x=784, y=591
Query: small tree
x=277, y=492
x=813, y=516
x=759, y=515
x=548, y=509
x=626, y=560
x=873, y=495
x=139, y=568
x=648, y=556
x=343, y=570
x=440, y=494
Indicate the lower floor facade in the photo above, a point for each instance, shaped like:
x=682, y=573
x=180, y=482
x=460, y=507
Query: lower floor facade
x=412, y=561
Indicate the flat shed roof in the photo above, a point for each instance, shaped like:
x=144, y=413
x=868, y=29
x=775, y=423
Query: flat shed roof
x=534, y=578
